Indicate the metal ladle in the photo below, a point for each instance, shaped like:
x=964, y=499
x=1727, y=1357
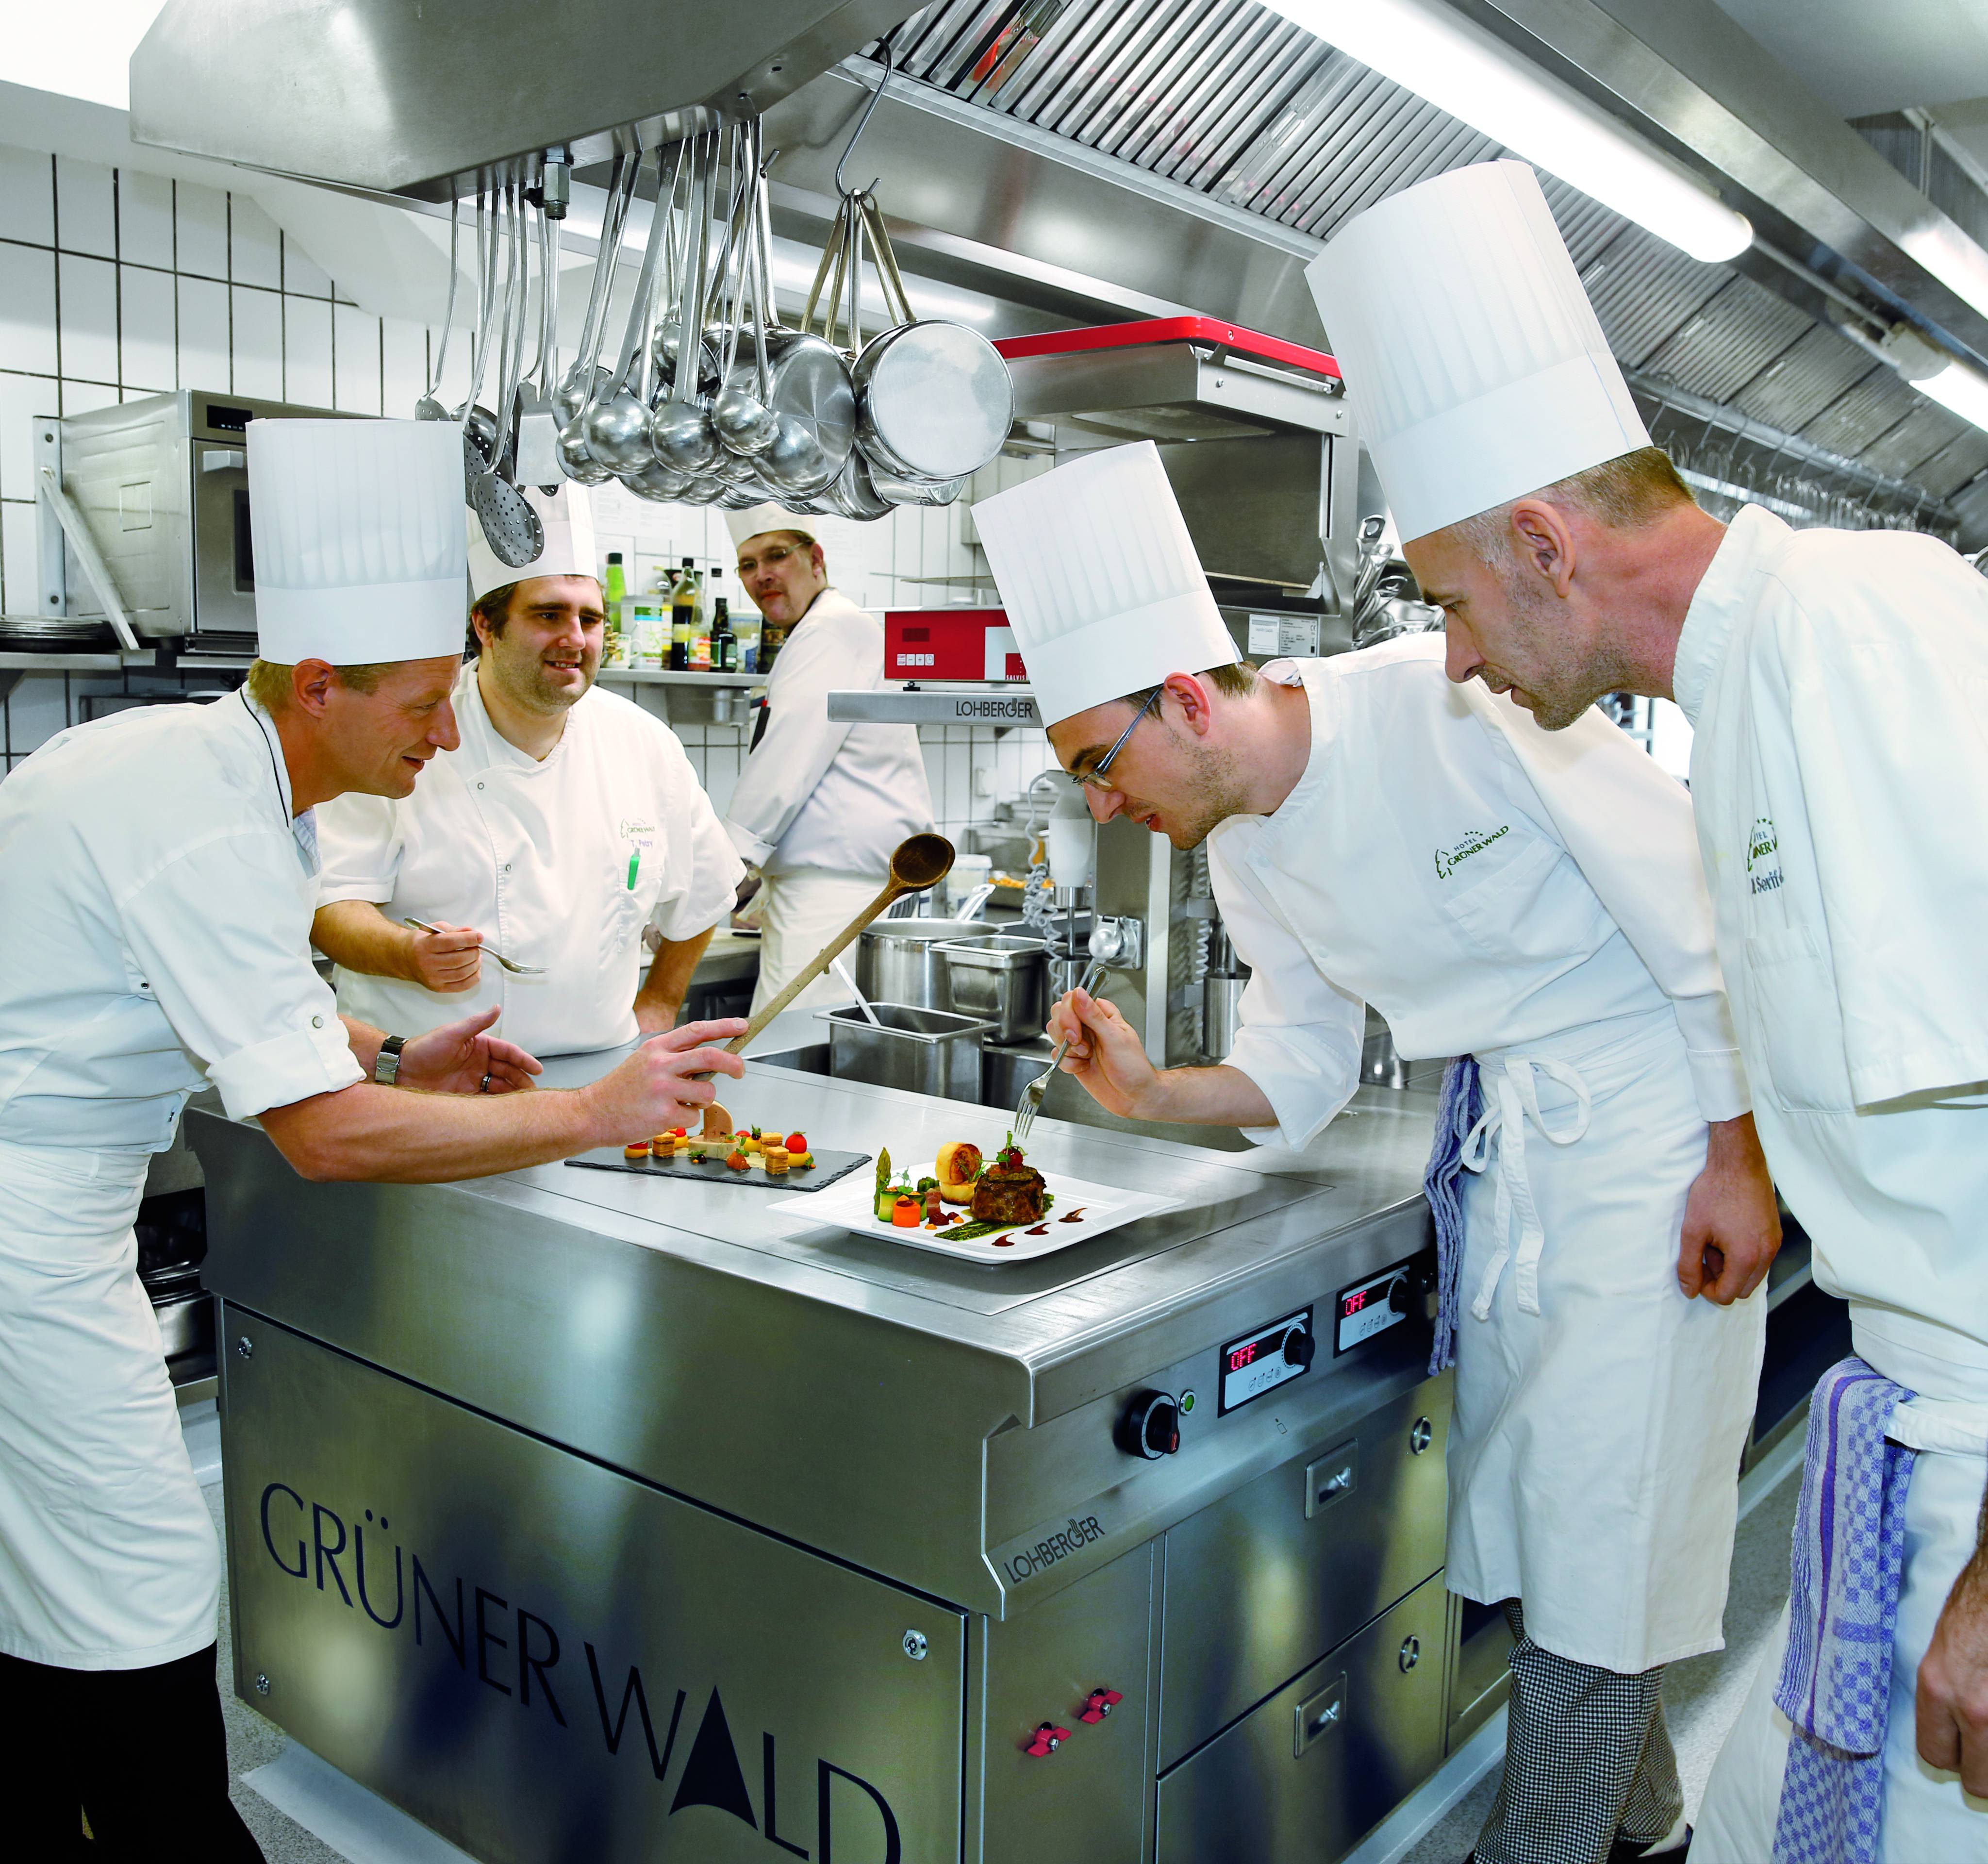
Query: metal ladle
x=586, y=381
x=617, y=427
x=680, y=430
x=429, y=407
x=744, y=423
x=510, y=527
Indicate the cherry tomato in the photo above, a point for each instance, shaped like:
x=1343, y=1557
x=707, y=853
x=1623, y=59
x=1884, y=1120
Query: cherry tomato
x=796, y=1142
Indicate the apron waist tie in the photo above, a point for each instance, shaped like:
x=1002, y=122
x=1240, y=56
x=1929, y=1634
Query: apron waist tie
x=1511, y=1097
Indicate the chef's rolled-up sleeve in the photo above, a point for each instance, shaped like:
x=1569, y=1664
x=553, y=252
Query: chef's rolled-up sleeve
x=800, y=741
x=1301, y=1036
x=1627, y=825
x=359, y=842
x=701, y=868
x=219, y=934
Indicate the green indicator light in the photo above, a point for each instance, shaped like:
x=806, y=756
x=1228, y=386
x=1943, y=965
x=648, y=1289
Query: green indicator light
x=1186, y=1402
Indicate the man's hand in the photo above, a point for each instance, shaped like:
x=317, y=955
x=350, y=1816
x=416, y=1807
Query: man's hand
x=1952, y=1692
x=1105, y=1054
x=655, y=1088
x=654, y=1019
x=460, y=1058
x=448, y=960
x=1732, y=1228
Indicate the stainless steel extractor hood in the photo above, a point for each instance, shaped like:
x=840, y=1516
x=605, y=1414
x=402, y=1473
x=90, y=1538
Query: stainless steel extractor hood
x=383, y=97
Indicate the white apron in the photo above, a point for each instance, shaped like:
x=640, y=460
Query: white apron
x=108, y=1559
x=1594, y=1403
x=1927, y=1816
x=798, y=913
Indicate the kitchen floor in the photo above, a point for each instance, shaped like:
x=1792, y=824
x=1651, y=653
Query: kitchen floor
x=1702, y=1698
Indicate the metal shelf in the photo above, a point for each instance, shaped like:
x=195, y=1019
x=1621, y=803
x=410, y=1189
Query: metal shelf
x=1003, y=706
x=109, y=660
x=667, y=676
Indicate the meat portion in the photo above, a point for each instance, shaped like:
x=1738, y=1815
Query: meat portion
x=1009, y=1194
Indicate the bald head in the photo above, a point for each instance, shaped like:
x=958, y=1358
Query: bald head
x=1574, y=591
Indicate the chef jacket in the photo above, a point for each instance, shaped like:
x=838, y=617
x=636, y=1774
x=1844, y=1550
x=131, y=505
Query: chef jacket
x=1484, y=883
x=815, y=794
x=1838, y=684
x=559, y=863
x=155, y=931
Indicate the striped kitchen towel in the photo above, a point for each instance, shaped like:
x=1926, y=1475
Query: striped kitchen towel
x=1835, y=1683
x=1456, y=1114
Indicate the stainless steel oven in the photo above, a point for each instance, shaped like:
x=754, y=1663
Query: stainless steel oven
x=163, y=483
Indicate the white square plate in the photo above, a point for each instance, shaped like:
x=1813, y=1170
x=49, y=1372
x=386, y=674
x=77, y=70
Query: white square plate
x=851, y=1203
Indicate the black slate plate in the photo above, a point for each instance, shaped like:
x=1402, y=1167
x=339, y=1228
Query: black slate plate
x=827, y=1168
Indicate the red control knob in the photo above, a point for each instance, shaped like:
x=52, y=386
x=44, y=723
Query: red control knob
x=1048, y=1738
x=1100, y=1703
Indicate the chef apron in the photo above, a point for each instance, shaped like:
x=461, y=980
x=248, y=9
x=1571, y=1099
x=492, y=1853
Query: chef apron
x=1600, y=1415
x=108, y=1557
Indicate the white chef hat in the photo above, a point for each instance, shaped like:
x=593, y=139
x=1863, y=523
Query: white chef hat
x=1474, y=364
x=567, y=520
x=1100, y=580
x=755, y=519
x=357, y=530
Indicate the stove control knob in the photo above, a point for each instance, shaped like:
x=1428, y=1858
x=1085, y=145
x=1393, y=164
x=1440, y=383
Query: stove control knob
x=1397, y=1295
x=1150, y=1426
x=1299, y=1347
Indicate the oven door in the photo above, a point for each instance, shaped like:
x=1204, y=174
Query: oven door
x=224, y=563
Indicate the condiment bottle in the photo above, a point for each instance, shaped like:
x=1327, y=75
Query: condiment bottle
x=683, y=616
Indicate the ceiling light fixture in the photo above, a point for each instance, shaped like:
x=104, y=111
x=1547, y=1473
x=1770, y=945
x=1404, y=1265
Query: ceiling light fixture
x=1954, y=384
x=1462, y=69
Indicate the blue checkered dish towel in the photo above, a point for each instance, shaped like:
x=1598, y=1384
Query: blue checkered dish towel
x=1843, y=1612
x=1456, y=1114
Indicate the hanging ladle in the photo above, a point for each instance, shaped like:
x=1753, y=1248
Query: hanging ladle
x=429, y=407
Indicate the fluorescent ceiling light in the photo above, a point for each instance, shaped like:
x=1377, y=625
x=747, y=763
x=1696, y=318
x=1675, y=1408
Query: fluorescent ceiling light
x=1462, y=69
x=1947, y=380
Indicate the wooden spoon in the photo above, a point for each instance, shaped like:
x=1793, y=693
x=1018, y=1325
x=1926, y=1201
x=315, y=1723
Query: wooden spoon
x=920, y=862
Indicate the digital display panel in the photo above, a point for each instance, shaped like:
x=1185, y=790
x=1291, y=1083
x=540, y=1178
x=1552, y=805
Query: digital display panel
x=1371, y=1307
x=1257, y=1363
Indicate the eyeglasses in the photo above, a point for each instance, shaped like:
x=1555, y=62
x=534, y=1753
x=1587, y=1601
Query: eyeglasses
x=1094, y=778
x=769, y=559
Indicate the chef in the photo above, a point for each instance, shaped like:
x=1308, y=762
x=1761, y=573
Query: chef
x=566, y=822
x=820, y=805
x=1838, y=683
x=159, y=877
x=1534, y=904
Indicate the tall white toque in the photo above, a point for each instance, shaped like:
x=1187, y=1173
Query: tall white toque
x=567, y=520
x=1100, y=580
x=357, y=529
x=1475, y=367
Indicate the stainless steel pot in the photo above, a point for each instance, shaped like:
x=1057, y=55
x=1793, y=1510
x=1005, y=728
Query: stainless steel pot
x=923, y=1051
x=934, y=400
x=1002, y=978
x=897, y=961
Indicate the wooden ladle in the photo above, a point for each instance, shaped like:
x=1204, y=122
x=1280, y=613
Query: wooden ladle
x=919, y=862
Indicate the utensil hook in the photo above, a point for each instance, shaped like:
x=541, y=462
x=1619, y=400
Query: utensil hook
x=869, y=110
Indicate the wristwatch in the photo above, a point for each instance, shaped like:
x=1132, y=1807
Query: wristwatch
x=386, y=1069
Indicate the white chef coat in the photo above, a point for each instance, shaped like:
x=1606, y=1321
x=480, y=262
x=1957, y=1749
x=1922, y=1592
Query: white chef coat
x=1838, y=684
x=559, y=863
x=154, y=939
x=1534, y=899
x=815, y=794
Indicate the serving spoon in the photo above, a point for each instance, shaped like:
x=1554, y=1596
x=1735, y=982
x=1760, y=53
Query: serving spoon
x=509, y=964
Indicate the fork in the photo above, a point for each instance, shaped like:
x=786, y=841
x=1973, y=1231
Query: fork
x=1031, y=1102
x=509, y=964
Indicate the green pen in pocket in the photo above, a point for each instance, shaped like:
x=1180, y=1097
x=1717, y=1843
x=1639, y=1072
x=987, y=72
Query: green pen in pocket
x=634, y=867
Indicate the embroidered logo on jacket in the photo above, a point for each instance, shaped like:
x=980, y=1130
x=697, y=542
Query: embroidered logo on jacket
x=1447, y=859
x=1762, y=845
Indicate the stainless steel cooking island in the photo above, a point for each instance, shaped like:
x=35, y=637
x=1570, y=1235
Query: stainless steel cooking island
x=590, y=1517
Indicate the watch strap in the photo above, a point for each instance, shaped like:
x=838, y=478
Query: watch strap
x=386, y=1066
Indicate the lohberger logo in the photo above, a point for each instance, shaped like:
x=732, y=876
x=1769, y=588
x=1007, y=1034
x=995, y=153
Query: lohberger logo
x=1760, y=844
x=1447, y=859
x=1051, y=1548
x=515, y=1650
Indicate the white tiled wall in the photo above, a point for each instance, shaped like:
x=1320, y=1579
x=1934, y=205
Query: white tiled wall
x=116, y=284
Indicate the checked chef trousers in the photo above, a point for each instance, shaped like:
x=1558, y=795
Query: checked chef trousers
x=1588, y=1760
x=140, y=1752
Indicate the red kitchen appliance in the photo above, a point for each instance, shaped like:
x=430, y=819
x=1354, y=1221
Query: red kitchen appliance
x=950, y=643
